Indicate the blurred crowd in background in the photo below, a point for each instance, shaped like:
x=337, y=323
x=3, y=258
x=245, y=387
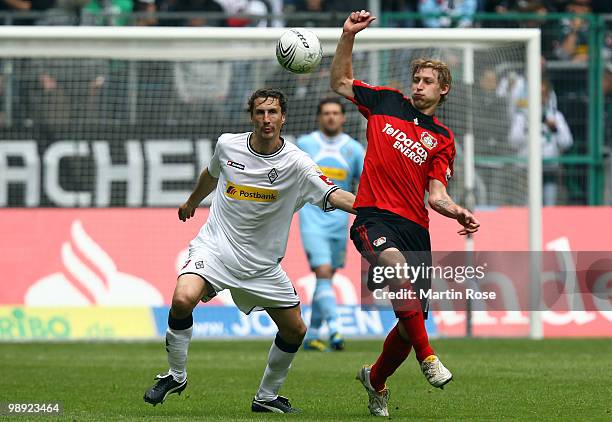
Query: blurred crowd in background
x=239, y=13
x=208, y=96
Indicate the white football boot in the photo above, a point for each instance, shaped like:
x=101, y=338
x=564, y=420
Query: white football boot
x=377, y=400
x=435, y=372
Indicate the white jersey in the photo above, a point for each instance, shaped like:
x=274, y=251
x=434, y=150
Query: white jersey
x=252, y=207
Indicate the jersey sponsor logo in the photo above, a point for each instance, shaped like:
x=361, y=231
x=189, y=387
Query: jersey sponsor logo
x=250, y=193
x=335, y=173
x=428, y=141
x=413, y=150
x=199, y=265
x=326, y=180
x=379, y=241
x=235, y=165
x=272, y=175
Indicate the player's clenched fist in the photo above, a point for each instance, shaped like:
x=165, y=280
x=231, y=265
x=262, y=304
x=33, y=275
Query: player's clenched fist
x=186, y=211
x=357, y=21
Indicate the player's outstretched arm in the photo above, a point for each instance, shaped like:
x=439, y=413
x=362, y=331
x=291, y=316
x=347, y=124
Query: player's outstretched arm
x=206, y=184
x=440, y=201
x=342, y=64
x=342, y=200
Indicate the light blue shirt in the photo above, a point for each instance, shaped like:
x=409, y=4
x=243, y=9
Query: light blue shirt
x=464, y=9
x=341, y=159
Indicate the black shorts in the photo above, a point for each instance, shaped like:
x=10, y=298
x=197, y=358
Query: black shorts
x=375, y=230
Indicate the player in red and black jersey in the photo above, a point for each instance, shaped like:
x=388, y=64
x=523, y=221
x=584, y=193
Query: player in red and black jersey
x=409, y=152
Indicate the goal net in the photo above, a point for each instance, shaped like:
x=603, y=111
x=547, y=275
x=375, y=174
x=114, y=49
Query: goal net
x=127, y=117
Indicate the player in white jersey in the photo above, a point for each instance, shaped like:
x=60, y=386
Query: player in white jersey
x=259, y=180
x=324, y=235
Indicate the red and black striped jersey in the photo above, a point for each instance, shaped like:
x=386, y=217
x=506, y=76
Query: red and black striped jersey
x=405, y=149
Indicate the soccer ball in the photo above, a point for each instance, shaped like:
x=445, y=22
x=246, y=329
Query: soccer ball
x=299, y=51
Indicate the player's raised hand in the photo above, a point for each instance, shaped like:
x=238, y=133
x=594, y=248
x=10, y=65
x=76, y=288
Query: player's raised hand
x=186, y=211
x=468, y=221
x=357, y=21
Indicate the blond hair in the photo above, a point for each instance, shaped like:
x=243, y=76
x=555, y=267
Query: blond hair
x=444, y=74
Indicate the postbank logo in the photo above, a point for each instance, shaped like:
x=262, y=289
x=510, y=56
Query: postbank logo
x=250, y=193
x=334, y=173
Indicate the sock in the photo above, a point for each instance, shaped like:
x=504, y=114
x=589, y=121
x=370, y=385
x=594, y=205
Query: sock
x=414, y=325
x=325, y=297
x=279, y=361
x=178, y=336
x=315, y=321
x=394, y=353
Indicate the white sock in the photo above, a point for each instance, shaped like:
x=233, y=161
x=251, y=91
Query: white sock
x=177, y=345
x=279, y=362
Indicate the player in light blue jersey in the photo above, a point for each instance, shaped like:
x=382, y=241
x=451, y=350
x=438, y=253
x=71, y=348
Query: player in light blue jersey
x=324, y=235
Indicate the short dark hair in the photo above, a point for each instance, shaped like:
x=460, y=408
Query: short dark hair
x=330, y=101
x=268, y=93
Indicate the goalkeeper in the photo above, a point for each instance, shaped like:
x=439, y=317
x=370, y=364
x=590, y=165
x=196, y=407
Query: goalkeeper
x=324, y=235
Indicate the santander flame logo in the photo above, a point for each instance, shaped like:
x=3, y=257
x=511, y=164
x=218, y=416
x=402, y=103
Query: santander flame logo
x=90, y=277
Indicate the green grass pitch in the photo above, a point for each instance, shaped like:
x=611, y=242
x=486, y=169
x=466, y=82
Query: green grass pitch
x=494, y=380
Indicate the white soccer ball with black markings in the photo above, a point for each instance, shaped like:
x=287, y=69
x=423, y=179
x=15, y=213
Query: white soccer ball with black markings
x=299, y=51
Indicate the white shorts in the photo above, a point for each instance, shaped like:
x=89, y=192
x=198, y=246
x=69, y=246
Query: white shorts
x=269, y=289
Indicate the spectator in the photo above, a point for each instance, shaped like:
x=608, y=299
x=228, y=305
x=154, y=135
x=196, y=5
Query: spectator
x=556, y=138
x=548, y=28
x=24, y=6
x=400, y=6
x=198, y=6
x=574, y=42
x=607, y=88
x=253, y=13
x=101, y=12
x=317, y=10
x=270, y=11
x=513, y=87
x=66, y=91
x=165, y=6
x=459, y=13
x=147, y=8
x=201, y=86
x=491, y=125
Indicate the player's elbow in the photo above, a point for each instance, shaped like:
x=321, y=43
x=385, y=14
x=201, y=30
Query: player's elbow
x=335, y=83
x=342, y=85
x=434, y=198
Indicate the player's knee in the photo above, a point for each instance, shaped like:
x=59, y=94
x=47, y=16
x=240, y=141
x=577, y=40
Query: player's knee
x=300, y=332
x=182, y=305
x=390, y=258
x=324, y=271
x=295, y=334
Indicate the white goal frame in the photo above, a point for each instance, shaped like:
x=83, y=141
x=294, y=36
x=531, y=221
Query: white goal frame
x=184, y=43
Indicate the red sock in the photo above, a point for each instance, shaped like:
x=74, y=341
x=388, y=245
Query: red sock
x=395, y=351
x=414, y=325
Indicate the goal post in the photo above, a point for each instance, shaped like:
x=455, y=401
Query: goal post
x=158, y=82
